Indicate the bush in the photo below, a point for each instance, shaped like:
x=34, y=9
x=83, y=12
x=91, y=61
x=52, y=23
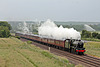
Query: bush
x=86, y=34
x=5, y=24
x=5, y=29
x=4, y=32
x=18, y=37
x=94, y=35
x=29, y=42
x=98, y=36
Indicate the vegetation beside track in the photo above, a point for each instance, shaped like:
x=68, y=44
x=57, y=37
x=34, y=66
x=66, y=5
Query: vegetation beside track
x=91, y=39
x=15, y=53
x=93, y=48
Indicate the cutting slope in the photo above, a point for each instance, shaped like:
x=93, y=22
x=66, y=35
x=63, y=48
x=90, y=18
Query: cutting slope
x=15, y=53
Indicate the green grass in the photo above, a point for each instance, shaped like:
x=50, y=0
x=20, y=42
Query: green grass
x=15, y=53
x=13, y=34
x=93, y=48
x=98, y=32
x=29, y=42
x=91, y=39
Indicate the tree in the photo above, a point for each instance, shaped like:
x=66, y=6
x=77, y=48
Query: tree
x=83, y=33
x=98, y=36
x=86, y=34
x=4, y=32
x=94, y=35
x=4, y=23
x=5, y=29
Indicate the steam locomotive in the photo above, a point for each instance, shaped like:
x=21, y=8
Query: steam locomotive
x=70, y=45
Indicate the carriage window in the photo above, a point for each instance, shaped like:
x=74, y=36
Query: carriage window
x=51, y=41
x=57, y=42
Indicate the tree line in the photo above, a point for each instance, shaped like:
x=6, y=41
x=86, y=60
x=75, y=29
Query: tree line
x=5, y=29
x=88, y=34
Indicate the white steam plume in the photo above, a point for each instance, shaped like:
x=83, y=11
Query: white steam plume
x=50, y=29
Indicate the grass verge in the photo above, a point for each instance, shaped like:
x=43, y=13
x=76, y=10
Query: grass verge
x=93, y=48
x=15, y=53
x=91, y=39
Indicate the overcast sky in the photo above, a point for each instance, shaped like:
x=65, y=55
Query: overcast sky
x=59, y=10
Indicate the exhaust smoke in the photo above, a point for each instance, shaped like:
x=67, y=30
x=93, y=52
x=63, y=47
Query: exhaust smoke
x=51, y=30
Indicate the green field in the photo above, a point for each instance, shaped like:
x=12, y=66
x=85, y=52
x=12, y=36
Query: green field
x=93, y=48
x=91, y=39
x=15, y=53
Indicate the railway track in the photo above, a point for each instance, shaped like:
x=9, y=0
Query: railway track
x=85, y=60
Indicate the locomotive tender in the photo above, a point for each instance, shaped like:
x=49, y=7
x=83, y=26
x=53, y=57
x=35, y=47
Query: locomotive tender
x=71, y=45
